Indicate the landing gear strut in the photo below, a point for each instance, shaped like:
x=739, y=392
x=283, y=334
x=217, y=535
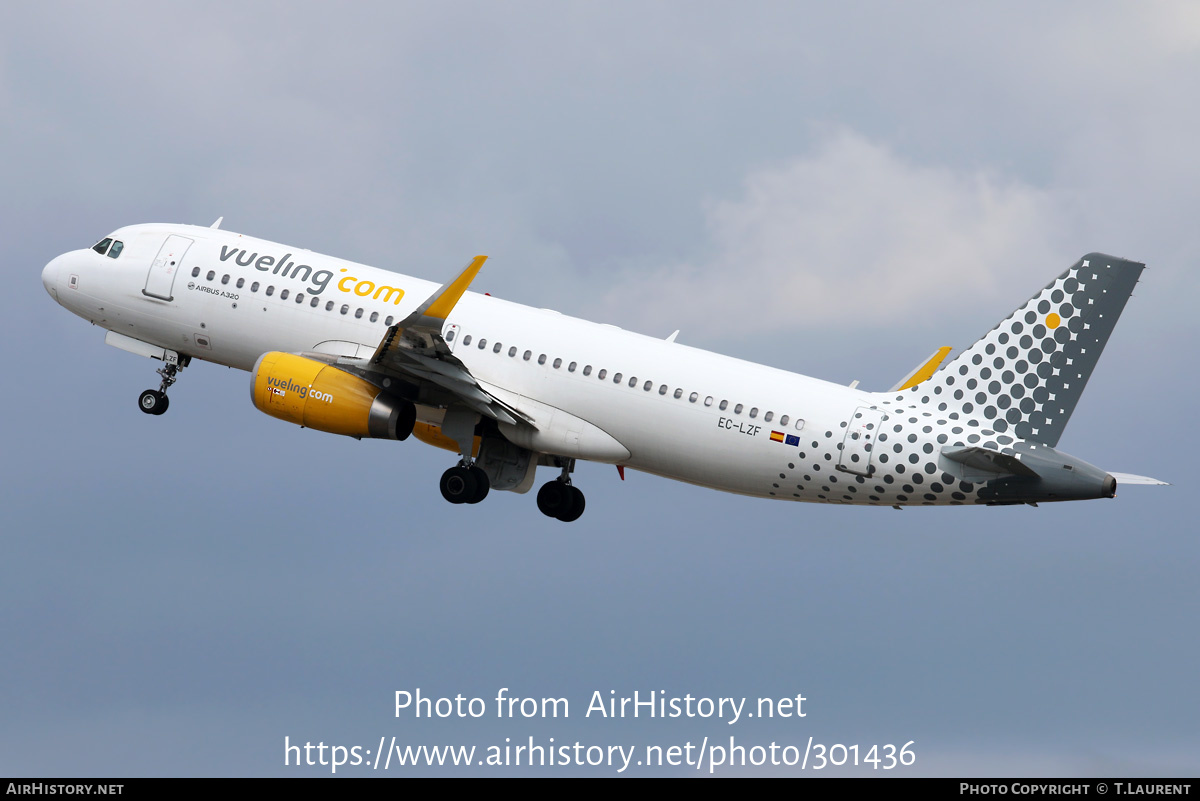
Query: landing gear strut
x=559, y=498
x=466, y=482
x=155, y=401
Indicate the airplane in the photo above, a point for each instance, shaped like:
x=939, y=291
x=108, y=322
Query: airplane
x=362, y=352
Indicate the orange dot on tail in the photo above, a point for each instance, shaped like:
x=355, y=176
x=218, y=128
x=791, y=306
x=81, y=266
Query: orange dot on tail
x=1053, y=320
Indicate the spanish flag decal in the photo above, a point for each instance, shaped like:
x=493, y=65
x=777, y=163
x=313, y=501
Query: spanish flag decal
x=776, y=436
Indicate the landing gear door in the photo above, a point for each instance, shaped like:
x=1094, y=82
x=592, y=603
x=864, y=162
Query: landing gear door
x=861, y=433
x=169, y=261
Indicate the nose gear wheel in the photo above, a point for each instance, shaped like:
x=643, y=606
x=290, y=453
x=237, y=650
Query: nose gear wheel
x=155, y=401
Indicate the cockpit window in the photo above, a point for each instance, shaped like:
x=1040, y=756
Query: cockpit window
x=112, y=247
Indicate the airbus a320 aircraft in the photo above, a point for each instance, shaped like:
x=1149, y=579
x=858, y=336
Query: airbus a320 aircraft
x=362, y=352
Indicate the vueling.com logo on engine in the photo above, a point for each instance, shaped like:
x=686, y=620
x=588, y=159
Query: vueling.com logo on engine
x=282, y=386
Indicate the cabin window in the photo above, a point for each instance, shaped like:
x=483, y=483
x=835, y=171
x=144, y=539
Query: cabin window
x=211, y=275
x=661, y=390
x=632, y=381
x=374, y=315
x=557, y=363
x=526, y=355
x=241, y=282
x=693, y=397
x=270, y=290
x=254, y=287
x=600, y=375
x=329, y=305
x=358, y=313
x=482, y=343
x=195, y=272
x=754, y=413
x=299, y=298
x=388, y=321
x=467, y=340
x=496, y=348
x=225, y=278
x=315, y=302
x=587, y=370
x=723, y=405
x=737, y=409
x=708, y=401
x=283, y=294
x=617, y=378
x=345, y=308
x=512, y=352
x=542, y=359
x=678, y=394
x=783, y=421
x=571, y=367
x=768, y=417
x=799, y=423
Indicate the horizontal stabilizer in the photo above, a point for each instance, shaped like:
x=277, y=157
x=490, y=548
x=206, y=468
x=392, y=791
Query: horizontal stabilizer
x=924, y=370
x=989, y=461
x=1130, y=478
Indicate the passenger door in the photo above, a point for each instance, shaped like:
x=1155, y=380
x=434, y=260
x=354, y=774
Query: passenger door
x=160, y=281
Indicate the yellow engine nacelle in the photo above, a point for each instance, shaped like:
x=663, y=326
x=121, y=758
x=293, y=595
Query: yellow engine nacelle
x=317, y=395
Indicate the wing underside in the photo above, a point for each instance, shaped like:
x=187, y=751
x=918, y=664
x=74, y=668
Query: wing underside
x=414, y=350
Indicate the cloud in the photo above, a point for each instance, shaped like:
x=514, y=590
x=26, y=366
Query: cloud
x=851, y=235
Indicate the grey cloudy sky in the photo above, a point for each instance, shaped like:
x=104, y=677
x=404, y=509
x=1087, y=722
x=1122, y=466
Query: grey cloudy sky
x=832, y=191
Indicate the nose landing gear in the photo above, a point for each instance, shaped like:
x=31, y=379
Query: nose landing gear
x=155, y=401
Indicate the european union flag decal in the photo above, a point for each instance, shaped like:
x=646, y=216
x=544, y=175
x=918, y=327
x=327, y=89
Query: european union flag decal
x=792, y=439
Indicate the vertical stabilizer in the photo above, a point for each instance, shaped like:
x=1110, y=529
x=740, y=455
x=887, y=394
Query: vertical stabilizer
x=1027, y=373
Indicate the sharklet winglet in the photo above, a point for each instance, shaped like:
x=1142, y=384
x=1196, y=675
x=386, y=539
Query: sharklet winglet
x=444, y=300
x=926, y=369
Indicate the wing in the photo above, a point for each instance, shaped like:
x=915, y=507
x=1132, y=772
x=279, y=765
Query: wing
x=414, y=350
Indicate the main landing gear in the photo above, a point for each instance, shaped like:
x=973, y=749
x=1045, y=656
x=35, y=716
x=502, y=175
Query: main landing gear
x=155, y=401
x=465, y=484
x=559, y=498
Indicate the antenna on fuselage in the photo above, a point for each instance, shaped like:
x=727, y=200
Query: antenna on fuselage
x=217, y=224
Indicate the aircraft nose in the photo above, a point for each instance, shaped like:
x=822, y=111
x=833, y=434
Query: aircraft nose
x=50, y=276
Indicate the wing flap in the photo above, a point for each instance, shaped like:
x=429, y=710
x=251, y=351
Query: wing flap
x=415, y=350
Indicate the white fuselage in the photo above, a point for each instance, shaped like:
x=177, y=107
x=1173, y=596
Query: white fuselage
x=680, y=412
